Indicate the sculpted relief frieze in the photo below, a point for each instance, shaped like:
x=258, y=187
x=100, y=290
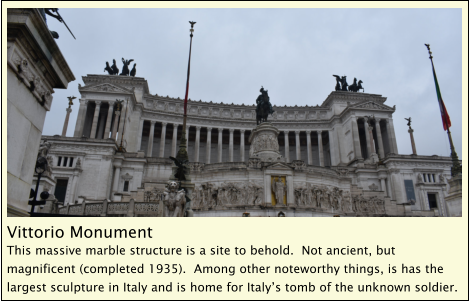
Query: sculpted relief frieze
x=333, y=198
x=209, y=195
x=31, y=78
x=264, y=142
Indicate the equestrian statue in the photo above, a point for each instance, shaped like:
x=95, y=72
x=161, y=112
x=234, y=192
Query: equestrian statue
x=263, y=107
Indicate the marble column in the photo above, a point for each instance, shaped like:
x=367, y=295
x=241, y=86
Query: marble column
x=150, y=145
x=230, y=146
x=335, y=153
x=139, y=134
x=383, y=186
x=320, y=148
x=66, y=122
x=220, y=144
x=80, y=118
x=121, y=124
x=175, y=140
x=371, y=136
x=309, y=148
x=208, y=145
x=413, y=146
x=95, y=119
x=115, y=124
x=391, y=136
x=162, y=140
x=286, y=145
x=368, y=138
x=379, y=138
x=242, y=145
x=356, y=140
x=76, y=175
x=187, y=135
x=196, y=144
x=117, y=172
x=109, y=117
x=297, y=145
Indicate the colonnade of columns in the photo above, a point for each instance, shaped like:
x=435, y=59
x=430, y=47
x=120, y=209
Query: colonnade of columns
x=99, y=123
x=370, y=137
x=227, y=150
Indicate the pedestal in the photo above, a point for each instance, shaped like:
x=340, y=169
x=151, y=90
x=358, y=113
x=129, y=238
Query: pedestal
x=454, y=197
x=264, y=144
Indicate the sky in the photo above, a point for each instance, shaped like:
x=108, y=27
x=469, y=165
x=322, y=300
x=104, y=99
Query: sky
x=292, y=53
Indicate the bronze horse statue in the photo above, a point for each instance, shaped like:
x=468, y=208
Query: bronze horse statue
x=108, y=68
x=356, y=86
x=263, y=107
x=115, y=68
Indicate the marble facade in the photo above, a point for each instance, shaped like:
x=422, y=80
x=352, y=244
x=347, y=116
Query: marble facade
x=35, y=67
x=339, y=158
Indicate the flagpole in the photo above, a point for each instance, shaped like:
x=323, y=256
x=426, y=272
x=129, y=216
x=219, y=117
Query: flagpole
x=182, y=152
x=456, y=167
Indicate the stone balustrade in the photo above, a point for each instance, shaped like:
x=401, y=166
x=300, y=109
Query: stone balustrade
x=112, y=209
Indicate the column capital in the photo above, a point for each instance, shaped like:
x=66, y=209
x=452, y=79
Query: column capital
x=410, y=130
x=297, y=132
x=221, y=130
x=209, y=129
x=198, y=128
x=175, y=124
x=98, y=103
x=111, y=103
x=68, y=109
x=164, y=123
x=242, y=131
x=319, y=132
x=231, y=130
x=83, y=101
x=308, y=132
x=286, y=132
x=370, y=128
x=152, y=122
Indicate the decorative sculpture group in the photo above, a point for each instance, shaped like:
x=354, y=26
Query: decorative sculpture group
x=325, y=197
x=174, y=200
x=209, y=195
x=342, y=84
x=263, y=107
x=113, y=70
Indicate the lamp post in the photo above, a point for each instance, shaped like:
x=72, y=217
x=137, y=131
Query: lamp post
x=41, y=166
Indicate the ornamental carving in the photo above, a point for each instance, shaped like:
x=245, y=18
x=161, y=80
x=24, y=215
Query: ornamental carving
x=146, y=207
x=299, y=164
x=154, y=195
x=31, y=79
x=208, y=195
x=342, y=172
x=94, y=209
x=319, y=196
x=196, y=166
x=264, y=142
x=254, y=163
x=373, y=187
x=371, y=205
x=372, y=105
x=118, y=207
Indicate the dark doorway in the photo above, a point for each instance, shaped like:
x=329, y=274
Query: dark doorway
x=61, y=189
x=432, y=201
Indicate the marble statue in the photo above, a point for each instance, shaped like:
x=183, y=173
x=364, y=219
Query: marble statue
x=174, y=200
x=279, y=189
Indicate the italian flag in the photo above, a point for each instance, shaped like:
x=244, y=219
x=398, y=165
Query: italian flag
x=445, y=117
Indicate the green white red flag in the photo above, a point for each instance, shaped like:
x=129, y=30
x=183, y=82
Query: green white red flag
x=445, y=116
